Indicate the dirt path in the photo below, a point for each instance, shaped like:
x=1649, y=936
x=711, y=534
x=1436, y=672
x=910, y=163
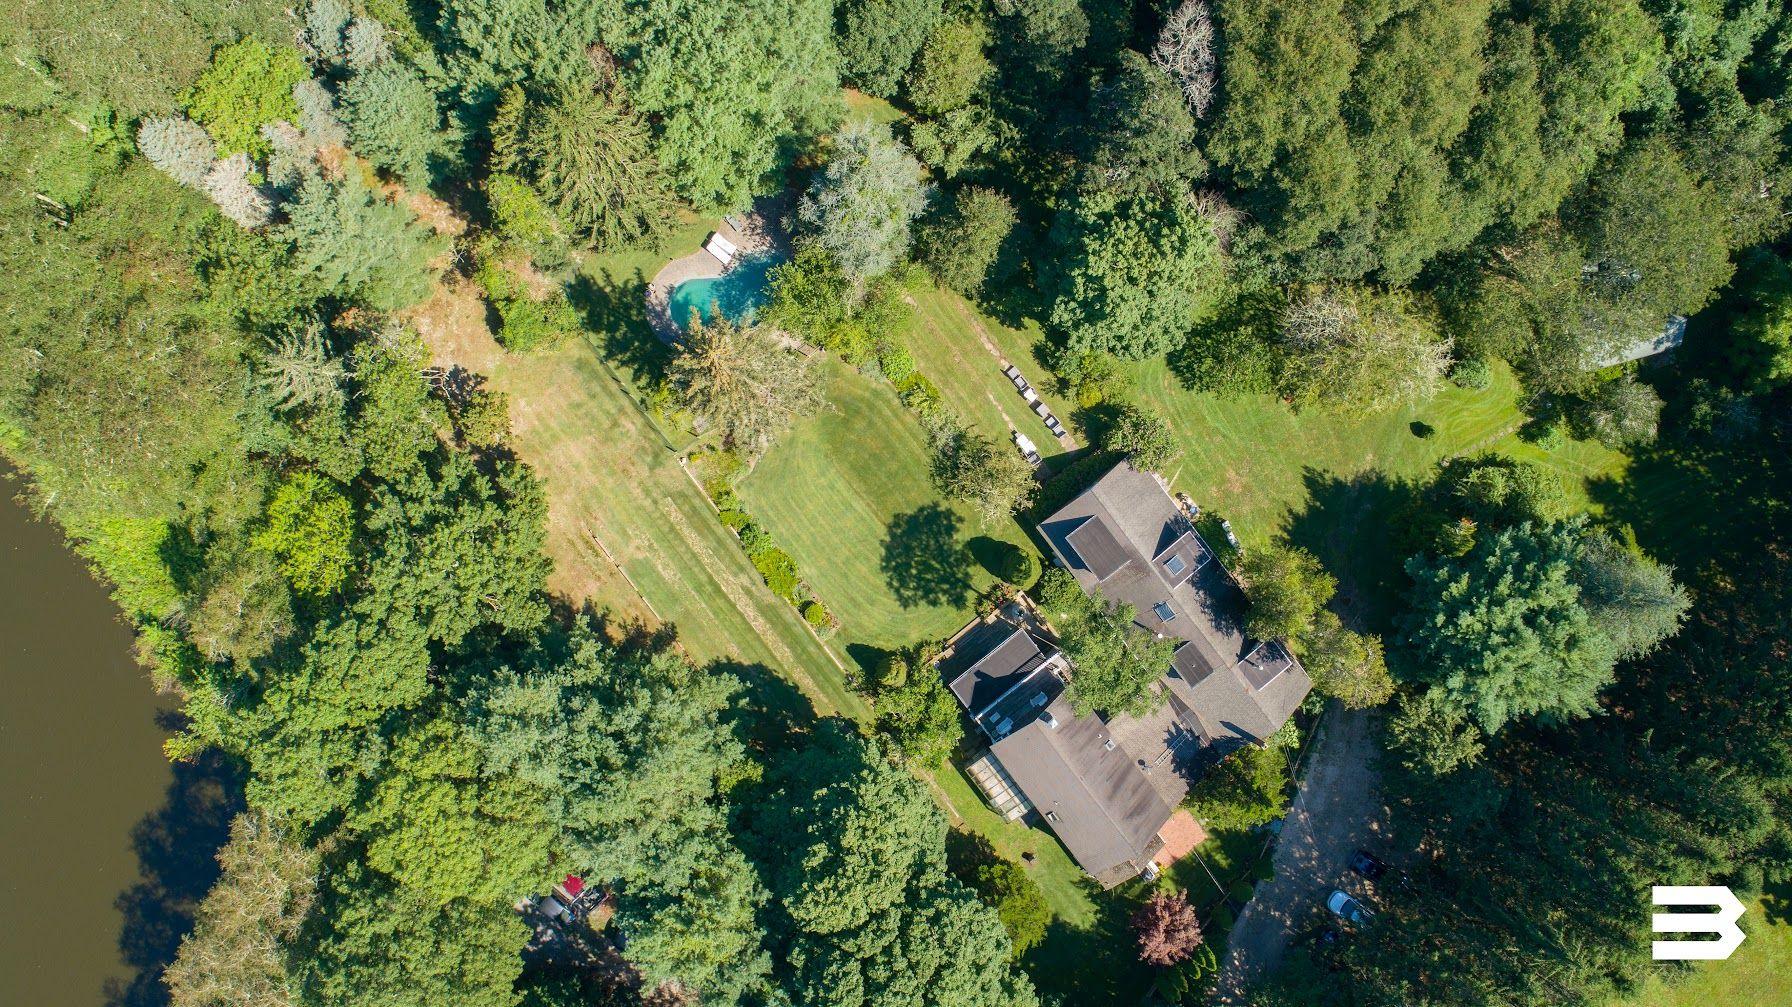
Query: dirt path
x=1337, y=810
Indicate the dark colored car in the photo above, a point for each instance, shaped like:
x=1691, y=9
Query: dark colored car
x=1368, y=865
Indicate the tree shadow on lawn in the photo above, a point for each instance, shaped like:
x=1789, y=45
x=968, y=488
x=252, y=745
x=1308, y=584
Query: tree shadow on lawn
x=615, y=313
x=993, y=555
x=1097, y=963
x=1776, y=903
x=924, y=562
x=1362, y=529
x=177, y=846
x=1698, y=502
x=769, y=711
x=869, y=659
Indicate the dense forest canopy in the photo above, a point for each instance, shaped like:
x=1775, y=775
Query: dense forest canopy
x=220, y=224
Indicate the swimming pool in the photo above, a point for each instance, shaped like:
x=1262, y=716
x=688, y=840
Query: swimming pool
x=736, y=293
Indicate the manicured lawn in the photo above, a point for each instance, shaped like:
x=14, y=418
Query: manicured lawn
x=1760, y=972
x=638, y=265
x=847, y=494
x=613, y=483
x=1332, y=484
x=946, y=337
x=1087, y=955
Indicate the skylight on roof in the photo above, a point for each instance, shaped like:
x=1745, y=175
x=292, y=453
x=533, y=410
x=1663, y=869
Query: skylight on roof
x=1164, y=612
x=1175, y=564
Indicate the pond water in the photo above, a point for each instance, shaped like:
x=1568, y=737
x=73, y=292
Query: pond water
x=82, y=781
x=737, y=294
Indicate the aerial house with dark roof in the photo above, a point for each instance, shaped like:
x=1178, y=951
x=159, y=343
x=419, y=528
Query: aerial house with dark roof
x=1043, y=759
x=1108, y=787
x=1126, y=538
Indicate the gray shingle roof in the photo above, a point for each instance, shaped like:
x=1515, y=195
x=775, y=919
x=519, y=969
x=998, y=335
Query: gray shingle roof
x=1239, y=691
x=1093, y=797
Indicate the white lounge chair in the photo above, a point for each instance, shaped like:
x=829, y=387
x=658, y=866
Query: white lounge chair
x=723, y=249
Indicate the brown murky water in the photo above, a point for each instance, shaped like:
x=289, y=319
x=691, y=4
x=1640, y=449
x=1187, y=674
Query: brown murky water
x=80, y=767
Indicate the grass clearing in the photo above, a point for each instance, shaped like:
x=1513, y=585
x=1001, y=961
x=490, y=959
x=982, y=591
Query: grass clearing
x=616, y=491
x=947, y=336
x=861, y=107
x=847, y=494
x=1331, y=483
x=1760, y=972
x=1088, y=952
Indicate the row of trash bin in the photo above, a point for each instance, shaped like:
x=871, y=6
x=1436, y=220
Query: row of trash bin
x=1033, y=400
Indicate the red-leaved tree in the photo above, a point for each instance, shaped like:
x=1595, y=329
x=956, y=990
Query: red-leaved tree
x=1168, y=930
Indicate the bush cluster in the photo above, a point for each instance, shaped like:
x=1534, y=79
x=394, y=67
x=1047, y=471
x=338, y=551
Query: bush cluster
x=524, y=322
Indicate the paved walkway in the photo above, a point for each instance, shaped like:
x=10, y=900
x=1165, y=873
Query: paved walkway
x=759, y=231
x=1337, y=810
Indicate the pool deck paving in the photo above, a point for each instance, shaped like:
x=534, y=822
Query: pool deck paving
x=759, y=230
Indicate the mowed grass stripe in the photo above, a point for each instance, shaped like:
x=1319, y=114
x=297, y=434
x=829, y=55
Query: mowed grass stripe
x=1258, y=461
x=969, y=377
x=607, y=471
x=829, y=491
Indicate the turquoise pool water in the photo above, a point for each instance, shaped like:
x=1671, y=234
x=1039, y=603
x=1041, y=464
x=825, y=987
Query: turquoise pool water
x=736, y=293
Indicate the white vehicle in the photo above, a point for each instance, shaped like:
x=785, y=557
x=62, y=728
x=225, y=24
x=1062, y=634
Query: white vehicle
x=1343, y=906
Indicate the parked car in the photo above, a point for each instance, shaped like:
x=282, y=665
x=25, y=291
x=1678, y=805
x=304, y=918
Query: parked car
x=1368, y=865
x=1347, y=908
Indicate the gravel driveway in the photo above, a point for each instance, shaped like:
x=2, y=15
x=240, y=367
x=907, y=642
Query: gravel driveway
x=1337, y=810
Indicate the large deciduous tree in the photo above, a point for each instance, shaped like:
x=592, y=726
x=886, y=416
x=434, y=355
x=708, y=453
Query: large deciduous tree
x=950, y=69
x=1143, y=436
x=878, y=40
x=733, y=89
x=1357, y=351
x=1115, y=663
x=237, y=950
x=962, y=244
x=1184, y=50
x=1141, y=134
x=1167, y=929
x=1131, y=271
x=247, y=86
x=861, y=206
x=1287, y=588
x=992, y=477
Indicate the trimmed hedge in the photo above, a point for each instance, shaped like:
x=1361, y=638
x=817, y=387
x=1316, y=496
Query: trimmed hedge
x=779, y=571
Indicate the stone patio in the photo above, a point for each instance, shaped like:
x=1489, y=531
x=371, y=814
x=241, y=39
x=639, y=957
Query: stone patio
x=759, y=230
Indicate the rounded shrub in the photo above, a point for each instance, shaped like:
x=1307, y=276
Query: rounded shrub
x=779, y=571
x=1545, y=432
x=1472, y=373
x=1020, y=567
x=816, y=614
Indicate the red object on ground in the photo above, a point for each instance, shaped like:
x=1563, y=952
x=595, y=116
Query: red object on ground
x=574, y=885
